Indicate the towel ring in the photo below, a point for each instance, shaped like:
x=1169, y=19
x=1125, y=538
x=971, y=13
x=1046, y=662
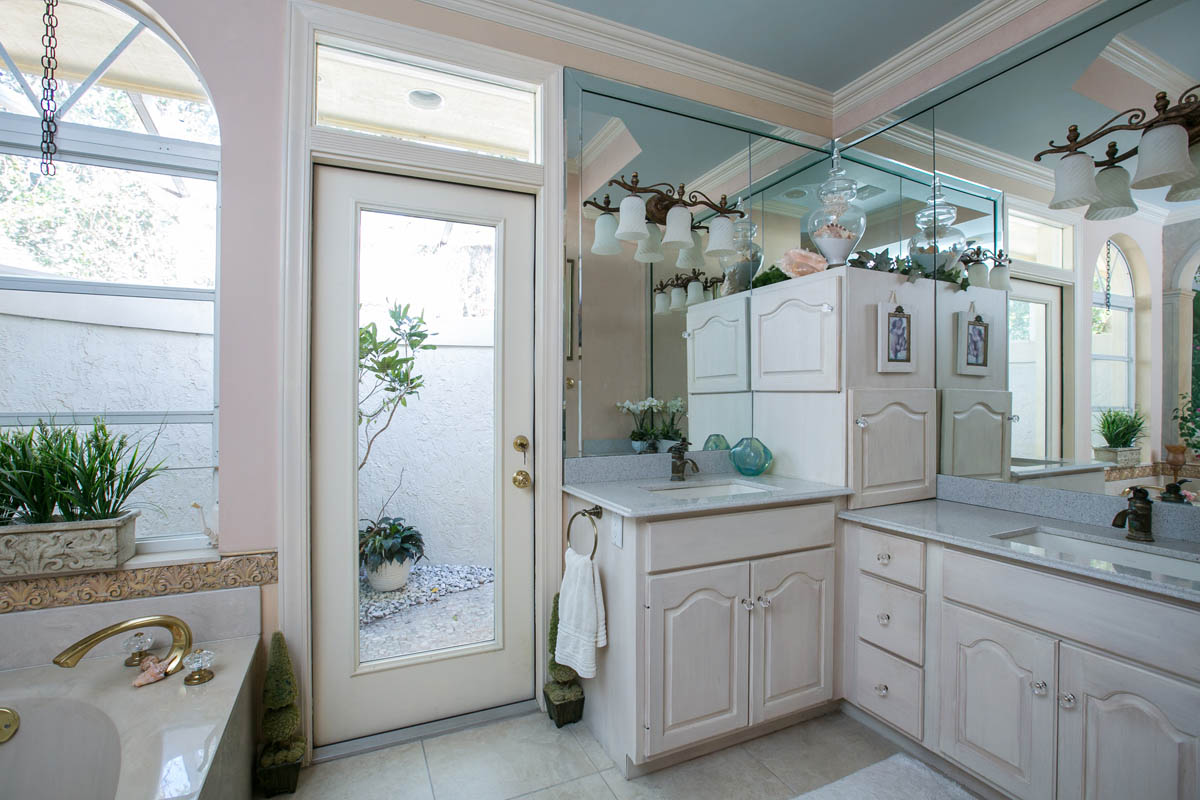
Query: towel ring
x=590, y=515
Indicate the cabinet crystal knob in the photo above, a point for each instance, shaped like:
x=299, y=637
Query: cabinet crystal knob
x=747, y=604
x=883, y=558
x=765, y=602
x=1039, y=688
x=883, y=617
x=861, y=422
x=881, y=689
x=1014, y=417
x=1066, y=700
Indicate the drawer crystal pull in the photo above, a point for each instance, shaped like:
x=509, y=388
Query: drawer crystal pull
x=1039, y=688
x=861, y=422
x=883, y=558
x=881, y=689
x=1066, y=700
x=765, y=602
x=747, y=604
x=883, y=618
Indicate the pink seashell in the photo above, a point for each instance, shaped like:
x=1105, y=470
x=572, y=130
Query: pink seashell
x=798, y=261
x=152, y=671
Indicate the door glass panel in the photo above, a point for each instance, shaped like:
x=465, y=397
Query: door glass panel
x=1029, y=376
x=426, y=432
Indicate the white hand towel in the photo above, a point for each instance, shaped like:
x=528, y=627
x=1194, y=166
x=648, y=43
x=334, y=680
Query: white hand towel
x=581, y=625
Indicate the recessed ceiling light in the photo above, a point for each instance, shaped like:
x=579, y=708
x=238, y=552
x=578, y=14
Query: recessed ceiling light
x=795, y=194
x=867, y=191
x=425, y=99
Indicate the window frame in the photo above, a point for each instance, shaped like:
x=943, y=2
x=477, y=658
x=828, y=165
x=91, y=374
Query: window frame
x=21, y=135
x=1127, y=304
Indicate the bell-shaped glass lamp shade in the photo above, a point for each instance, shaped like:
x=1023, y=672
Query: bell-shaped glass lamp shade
x=678, y=298
x=679, y=227
x=999, y=278
x=708, y=294
x=691, y=257
x=633, y=220
x=695, y=293
x=660, y=303
x=1115, y=200
x=605, y=242
x=1163, y=158
x=1189, y=189
x=650, y=250
x=977, y=273
x=720, y=237
x=1074, y=182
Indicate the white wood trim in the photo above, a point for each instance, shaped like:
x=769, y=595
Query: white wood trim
x=1146, y=65
x=960, y=32
x=633, y=44
x=305, y=145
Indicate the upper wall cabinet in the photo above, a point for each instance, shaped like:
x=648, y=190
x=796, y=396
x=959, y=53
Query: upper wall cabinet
x=794, y=335
x=972, y=329
x=717, y=351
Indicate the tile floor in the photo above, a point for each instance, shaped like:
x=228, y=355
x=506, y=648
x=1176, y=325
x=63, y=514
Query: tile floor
x=528, y=757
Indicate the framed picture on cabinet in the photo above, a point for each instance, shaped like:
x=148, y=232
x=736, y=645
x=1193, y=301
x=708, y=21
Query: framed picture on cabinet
x=974, y=344
x=894, y=332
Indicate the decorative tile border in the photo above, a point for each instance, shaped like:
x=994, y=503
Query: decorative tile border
x=248, y=569
x=1150, y=471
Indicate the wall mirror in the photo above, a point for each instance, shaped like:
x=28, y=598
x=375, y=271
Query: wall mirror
x=1044, y=358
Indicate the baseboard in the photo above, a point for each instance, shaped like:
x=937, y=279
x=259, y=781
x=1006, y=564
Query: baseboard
x=631, y=770
x=378, y=741
x=918, y=751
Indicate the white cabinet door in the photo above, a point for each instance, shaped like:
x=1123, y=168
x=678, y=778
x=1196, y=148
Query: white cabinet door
x=795, y=329
x=893, y=440
x=997, y=701
x=976, y=434
x=791, y=635
x=1125, y=732
x=698, y=640
x=718, y=352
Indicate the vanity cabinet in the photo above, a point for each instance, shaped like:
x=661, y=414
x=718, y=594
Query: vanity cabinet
x=997, y=701
x=795, y=331
x=718, y=354
x=893, y=440
x=976, y=433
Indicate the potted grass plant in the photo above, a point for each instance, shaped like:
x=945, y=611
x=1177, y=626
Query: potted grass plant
x=1121, y=431
x=65, y=498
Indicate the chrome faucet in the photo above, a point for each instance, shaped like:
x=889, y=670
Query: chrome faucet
x=679, y=460
x=181, y=640
x=1138, y=515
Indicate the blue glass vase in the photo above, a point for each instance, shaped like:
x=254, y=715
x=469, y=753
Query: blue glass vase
x=716, y=441
x=750, y=456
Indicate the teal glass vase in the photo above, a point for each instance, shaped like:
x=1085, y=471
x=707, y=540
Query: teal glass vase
x=750, y=456
x=716, y=441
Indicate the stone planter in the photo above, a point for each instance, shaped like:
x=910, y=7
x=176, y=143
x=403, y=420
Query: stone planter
x=1121, y=456
x=389, y=577
x=64, y=548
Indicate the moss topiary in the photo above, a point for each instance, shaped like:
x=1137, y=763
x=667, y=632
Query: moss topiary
x=279, y=763
x=558, y=672
x=563, y=694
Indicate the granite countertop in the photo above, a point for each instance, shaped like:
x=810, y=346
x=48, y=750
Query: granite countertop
x=1087, y=552
x=661, y=497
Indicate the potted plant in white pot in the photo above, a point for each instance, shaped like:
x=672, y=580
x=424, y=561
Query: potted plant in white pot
x=669, y=432
x=1121, y=431
x=387, y=549
x=644, y=433
x=65, y=499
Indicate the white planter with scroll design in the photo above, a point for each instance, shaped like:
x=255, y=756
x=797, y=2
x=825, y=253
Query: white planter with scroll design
x=62, y=548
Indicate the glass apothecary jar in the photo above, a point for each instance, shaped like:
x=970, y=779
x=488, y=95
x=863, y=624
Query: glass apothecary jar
x=937, y=244
x=838, y=225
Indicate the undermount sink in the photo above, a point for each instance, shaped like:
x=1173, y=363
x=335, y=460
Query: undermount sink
x=684, y=492
x=1064, y=546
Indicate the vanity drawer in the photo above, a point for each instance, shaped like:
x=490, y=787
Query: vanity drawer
x=890, y=689
x=892, y=557
x=892, y=617
x=694, y=541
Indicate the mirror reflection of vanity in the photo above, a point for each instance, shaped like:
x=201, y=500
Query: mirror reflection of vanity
x=1067, y=312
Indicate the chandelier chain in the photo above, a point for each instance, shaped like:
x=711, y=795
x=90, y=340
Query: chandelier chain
x=1108, y=275
x=49, y=87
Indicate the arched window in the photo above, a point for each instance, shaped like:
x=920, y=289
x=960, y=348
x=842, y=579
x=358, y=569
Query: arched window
x=1113, y=328
x=108, y=267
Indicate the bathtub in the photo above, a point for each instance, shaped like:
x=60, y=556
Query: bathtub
x=87, y=734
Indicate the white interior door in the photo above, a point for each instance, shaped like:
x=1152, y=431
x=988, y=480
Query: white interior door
x=459, y=636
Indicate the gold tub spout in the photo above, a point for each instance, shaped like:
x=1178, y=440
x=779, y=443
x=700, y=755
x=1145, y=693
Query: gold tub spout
x=181, y=640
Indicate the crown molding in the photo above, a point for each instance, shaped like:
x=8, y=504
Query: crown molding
x=739, y=165
x=1130, y=56
x=596, y=33
x=960, y=32
x=608, y=133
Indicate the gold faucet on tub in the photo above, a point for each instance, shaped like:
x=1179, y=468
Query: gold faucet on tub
x=181, y=640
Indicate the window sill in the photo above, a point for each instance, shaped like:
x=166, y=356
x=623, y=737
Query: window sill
x=171, y=558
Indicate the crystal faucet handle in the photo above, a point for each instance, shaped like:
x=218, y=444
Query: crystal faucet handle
x=198, y=662
x=138, y=642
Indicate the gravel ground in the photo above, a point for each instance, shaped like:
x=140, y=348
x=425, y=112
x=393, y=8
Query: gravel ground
x=461, y=618
x=427, y=583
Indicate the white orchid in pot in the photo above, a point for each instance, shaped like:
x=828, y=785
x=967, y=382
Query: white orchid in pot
x=669, y=432
x=644, y=436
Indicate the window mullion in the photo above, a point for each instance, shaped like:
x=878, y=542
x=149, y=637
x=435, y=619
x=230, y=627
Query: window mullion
x=20, y=79
x=100, y=69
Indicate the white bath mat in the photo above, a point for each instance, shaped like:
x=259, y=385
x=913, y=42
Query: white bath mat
x=900, y=777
